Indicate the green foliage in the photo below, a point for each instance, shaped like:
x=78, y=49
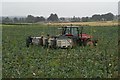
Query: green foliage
x=80, y=62
x=53, y=17
x=103, y=17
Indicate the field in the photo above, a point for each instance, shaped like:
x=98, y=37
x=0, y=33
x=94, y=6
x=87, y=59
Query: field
x=81, y=62
x=97, y=23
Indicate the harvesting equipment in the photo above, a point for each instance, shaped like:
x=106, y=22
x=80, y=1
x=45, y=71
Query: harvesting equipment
x=70, y=37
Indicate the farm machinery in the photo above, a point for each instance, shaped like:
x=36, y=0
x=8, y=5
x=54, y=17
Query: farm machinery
x=70, y=37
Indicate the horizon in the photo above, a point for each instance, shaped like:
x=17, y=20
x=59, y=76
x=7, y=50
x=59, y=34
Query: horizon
x=53, y=13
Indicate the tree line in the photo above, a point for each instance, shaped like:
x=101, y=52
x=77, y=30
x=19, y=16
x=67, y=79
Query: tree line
x=55, y=18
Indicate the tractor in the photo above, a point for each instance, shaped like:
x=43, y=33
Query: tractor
x=70, y=37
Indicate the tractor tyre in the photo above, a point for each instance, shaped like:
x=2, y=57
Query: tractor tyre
x=89, y=43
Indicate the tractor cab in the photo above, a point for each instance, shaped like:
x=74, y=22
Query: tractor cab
x=74, y=31
x=70, y=31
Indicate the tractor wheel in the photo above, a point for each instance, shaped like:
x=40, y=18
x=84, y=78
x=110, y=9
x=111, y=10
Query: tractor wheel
x=90, y=43
x=27, y=42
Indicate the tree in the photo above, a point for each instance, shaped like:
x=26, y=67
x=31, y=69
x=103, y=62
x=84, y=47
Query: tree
x=108, y=16
x=75, y=19
x=103, y=17
x=39, y=19
x=85, y=19
x=96, y=17
x=42, y=18
x=15, y=20
x=118, y=17
x=30, y=19
x=53, y=17
x=6, y=20
x=62, y=19
x=22, y=20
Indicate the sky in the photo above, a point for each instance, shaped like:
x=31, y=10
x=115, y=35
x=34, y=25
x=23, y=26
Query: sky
x=63, y=8
x=59, y=0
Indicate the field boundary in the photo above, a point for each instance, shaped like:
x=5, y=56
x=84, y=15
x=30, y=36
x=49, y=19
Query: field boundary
x=99, y=23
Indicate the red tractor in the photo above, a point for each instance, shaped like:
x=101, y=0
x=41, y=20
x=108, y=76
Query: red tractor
x=70, y=36
x=77, y=36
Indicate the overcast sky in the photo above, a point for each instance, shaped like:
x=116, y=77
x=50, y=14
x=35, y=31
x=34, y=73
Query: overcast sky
x=63, y=9
x=59, y=0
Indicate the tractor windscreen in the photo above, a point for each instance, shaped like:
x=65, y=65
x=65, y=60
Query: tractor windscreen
x=71, y=30
x=74, y=31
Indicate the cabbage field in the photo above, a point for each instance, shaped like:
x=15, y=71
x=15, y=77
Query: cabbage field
x=18, y=61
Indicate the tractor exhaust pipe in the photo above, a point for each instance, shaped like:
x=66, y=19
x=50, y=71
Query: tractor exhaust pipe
x=81, y=32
